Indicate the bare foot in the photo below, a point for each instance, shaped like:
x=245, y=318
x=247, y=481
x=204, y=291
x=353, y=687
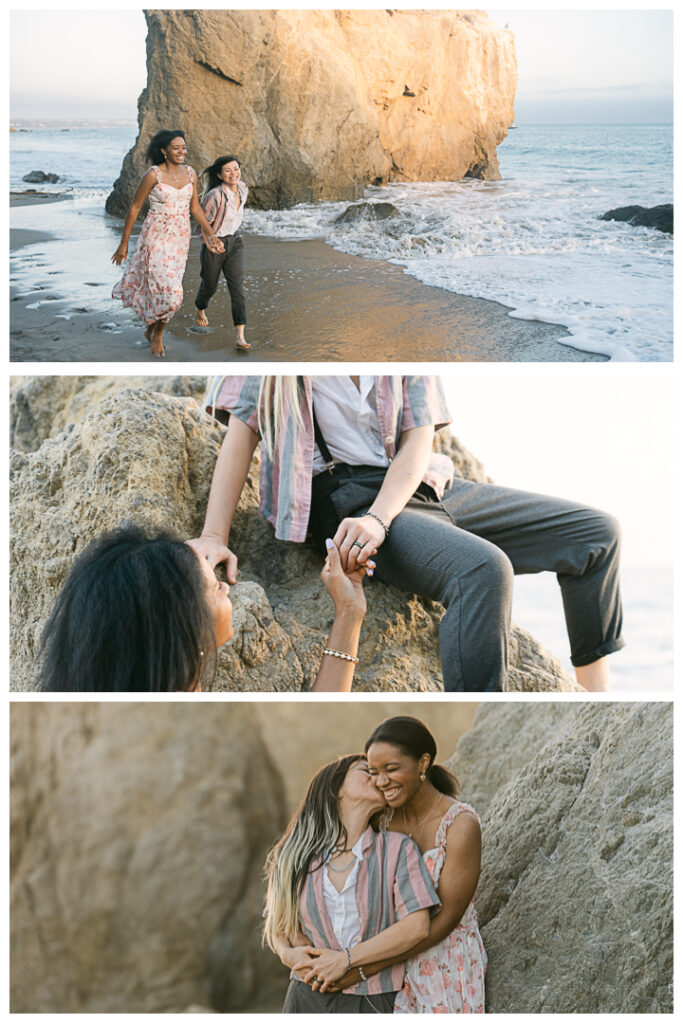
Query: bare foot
x=242, y=345
x=201, y=318
x=156, y=341
x=148, y=333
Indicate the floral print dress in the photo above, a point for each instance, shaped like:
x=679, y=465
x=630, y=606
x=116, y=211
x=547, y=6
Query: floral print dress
x=449, y=977
x=152, y=284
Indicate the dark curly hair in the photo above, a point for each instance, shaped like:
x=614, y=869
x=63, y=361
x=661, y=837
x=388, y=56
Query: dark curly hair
x=132, y=616
x=159, y=143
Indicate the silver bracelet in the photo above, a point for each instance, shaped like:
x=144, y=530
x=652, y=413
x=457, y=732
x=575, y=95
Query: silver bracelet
x=340, y=654
x=363, y=976
x=381, y=523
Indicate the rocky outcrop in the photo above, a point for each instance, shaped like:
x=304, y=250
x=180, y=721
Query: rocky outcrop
x=96, y=451
x=139, y=833
x=40, y=177
x=659, y=217
x=318, y=104
x=367, y=211
x=575, y=896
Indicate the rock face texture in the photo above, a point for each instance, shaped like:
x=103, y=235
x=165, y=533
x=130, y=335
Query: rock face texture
x=139, y=832
x=93, y=452
x=575, y=898
x=318, y=104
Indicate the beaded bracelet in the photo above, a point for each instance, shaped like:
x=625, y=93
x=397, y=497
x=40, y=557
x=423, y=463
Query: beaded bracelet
x=381, y=523
x=340, y=654
x=348, y=956
x=363, y=976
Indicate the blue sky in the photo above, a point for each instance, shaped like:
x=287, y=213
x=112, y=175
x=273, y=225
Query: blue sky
x=574, y=66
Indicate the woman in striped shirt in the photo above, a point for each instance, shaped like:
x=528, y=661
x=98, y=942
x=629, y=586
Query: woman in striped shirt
x=341, y=895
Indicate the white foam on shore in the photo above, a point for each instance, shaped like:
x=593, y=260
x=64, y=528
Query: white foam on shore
x=547, y=256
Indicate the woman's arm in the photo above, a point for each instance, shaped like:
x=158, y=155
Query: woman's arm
x=457, y=885
x=229, y=478
x=147, y=183
x=346, y=590
x=402, y=478
x=394, y=941
x=294, y=949
x=214, y=243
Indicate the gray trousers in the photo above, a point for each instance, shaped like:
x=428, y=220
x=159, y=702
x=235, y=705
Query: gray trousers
x=301, y=998
x=231, y=264
x=464, y=552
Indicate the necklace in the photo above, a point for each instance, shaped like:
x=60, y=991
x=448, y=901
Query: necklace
x=420, y=825
x=346, y=867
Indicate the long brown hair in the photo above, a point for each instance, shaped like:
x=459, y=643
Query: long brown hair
x=314, y=831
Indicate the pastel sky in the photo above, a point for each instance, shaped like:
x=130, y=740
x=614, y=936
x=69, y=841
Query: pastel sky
x=574, y=66
x=604, y=439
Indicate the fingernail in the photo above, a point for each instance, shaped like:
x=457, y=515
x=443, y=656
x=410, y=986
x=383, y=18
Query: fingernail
x=371, y=572
x=329, y=543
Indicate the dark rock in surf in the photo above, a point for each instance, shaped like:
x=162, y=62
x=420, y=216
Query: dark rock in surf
x=659, y=217
x=367, y=211
x=41, y=177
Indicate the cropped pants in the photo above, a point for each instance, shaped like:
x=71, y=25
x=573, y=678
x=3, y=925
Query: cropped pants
x=231, y=264
x=464, y=552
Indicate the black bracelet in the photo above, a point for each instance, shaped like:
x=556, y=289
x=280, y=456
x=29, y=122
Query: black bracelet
x=381, y=523
x=348, y=956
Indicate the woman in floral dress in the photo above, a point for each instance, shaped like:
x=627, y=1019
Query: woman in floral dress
x=445, y=972
x=152, y=284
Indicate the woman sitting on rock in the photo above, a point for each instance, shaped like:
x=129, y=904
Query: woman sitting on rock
x=142, y=611
x=223, y=204
x=444, y=972
x=351, y=458
x=341, y=895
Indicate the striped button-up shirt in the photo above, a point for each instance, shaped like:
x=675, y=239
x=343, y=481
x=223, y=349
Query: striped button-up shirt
x=285, y=493
x=392, y=883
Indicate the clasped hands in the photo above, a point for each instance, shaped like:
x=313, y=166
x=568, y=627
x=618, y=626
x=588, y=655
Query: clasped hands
x=358, y=539
x=322, y=969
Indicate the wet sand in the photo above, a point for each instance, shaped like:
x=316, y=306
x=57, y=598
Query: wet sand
x=305, y=302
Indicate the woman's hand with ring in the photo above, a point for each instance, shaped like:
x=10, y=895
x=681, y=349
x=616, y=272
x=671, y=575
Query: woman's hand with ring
x=330, y=965
x=358, y=539
x=345, y=588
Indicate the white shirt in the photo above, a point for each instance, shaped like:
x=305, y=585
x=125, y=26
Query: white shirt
x=232, y=218
x=341, y=906
x=348, y=422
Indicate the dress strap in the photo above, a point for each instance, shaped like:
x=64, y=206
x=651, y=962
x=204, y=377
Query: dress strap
x=449, y=817
x=157, y=172
x=191, y=175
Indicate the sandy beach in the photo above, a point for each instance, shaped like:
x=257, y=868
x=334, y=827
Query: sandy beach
x=305, y=301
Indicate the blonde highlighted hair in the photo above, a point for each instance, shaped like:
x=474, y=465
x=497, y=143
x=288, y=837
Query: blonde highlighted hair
x=314, y=832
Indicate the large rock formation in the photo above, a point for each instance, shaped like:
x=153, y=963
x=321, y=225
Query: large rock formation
x=318, y=104
x=96, y=451
x=139, y=832
x=575, y=897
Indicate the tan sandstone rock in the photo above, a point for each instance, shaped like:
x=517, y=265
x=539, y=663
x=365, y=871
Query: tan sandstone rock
x=139, y=833
x=134, y=453
x=575, y=896
x=318, y=104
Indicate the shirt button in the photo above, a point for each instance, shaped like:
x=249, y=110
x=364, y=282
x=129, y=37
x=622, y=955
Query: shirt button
x=389, y=440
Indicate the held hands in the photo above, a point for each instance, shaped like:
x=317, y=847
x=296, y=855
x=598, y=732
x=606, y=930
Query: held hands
x=299, y=958
x=345, y=587
x=121, y=254
x=364, y=531
x=330, y=965
x=215, y=552
x=214, y=243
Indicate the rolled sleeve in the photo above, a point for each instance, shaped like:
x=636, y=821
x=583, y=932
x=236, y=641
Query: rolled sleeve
x=235, y=395
x=413, y=887
x=424, y=403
